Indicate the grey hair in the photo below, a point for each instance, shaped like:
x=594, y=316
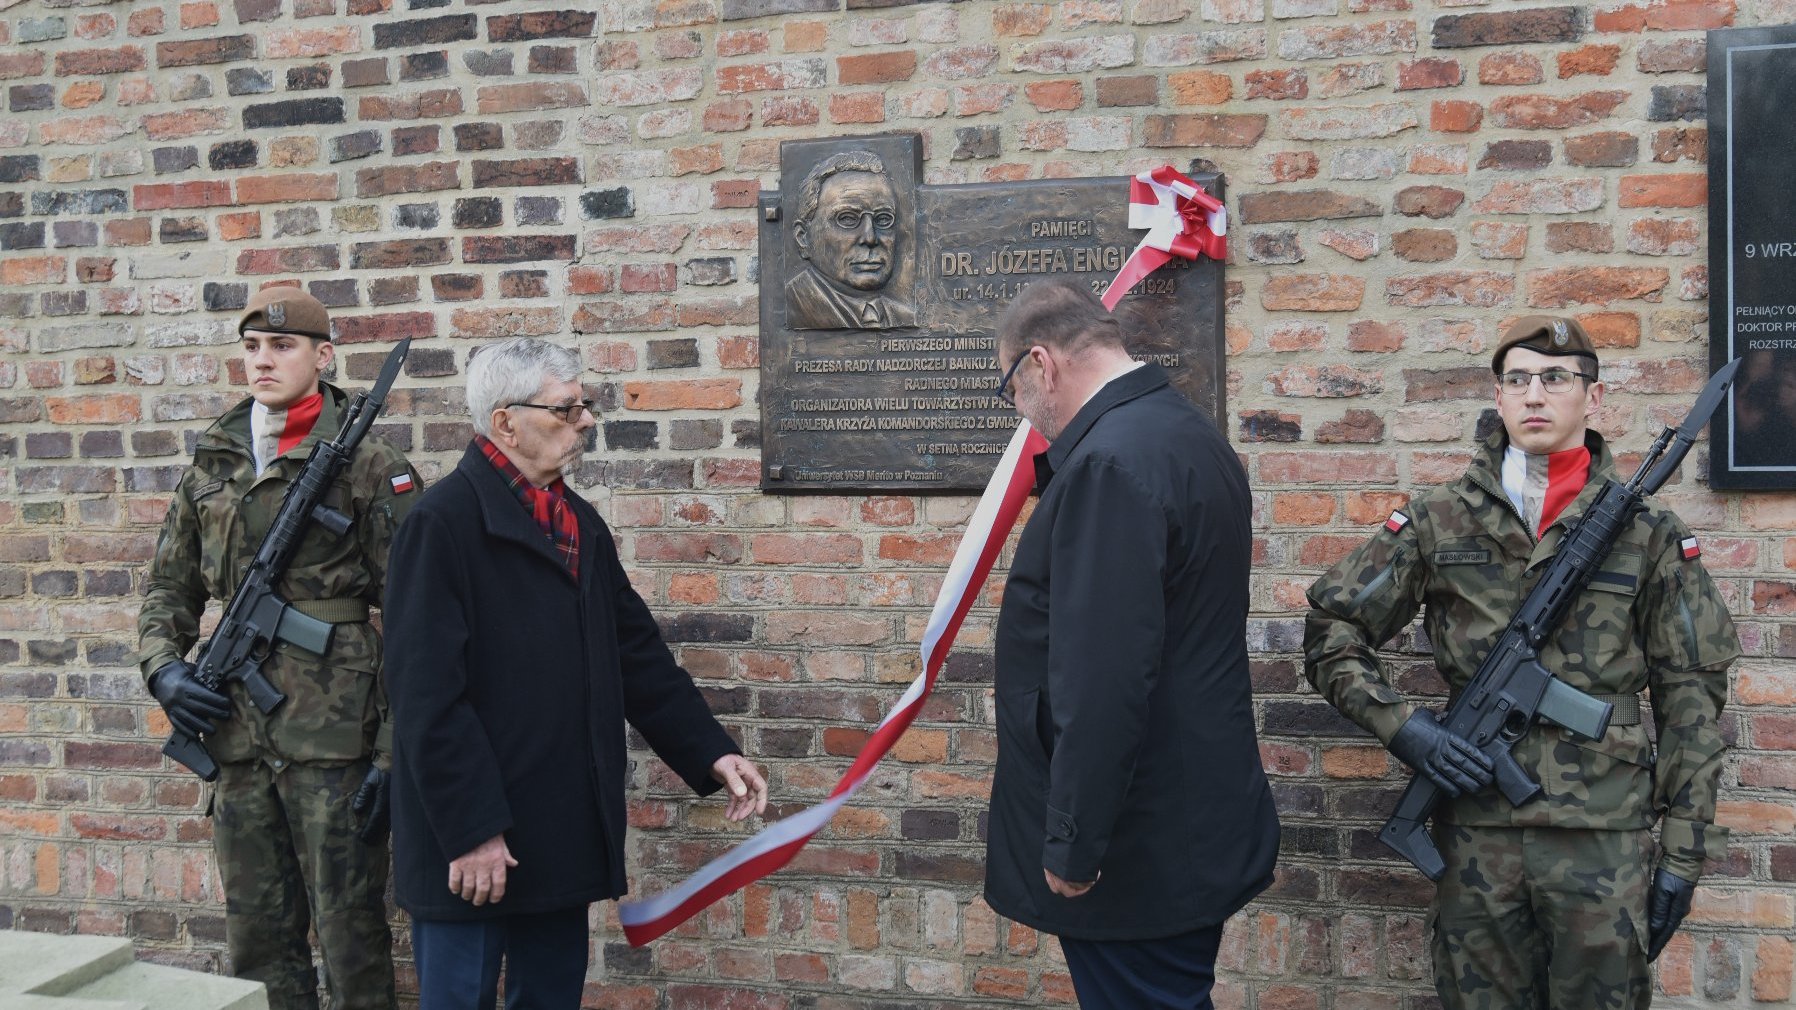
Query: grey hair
x=811, y=192
x=511, y=371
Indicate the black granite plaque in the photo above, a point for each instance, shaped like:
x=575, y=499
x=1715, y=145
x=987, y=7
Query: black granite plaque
x=1752, y=255
x=879, y=298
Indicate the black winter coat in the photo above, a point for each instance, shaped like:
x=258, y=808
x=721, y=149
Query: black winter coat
x=509, y=691
x=1126, y=742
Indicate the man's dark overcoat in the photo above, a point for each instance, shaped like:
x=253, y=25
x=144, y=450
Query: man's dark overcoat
x=1126, y=741
x=510, y=691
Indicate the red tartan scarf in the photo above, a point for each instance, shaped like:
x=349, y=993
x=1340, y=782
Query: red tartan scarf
x=547, y=504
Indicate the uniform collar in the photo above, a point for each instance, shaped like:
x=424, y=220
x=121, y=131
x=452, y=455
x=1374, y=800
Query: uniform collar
x=1486, y=474
x=231, y=433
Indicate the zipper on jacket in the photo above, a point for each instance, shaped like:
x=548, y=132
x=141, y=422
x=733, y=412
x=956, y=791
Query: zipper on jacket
x=1684, y=613
x=1376, y=584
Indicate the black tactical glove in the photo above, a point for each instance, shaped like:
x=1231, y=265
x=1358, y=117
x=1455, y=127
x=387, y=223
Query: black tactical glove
x=191, y=706
x=1446, y=758
x=1666, y=907
x=371, y=802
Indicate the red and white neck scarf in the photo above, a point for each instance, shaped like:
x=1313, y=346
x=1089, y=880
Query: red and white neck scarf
x=1541, y=486
x=273, y=432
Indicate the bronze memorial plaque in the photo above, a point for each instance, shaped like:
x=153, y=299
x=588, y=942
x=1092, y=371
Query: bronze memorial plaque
x=880, y=298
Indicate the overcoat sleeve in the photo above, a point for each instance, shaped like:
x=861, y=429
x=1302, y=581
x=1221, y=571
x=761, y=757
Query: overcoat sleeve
x=660, y=699
x=1107, y=616
x=445, y=748
x=1355, y=607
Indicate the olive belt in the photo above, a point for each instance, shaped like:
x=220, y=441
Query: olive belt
x=341, y=610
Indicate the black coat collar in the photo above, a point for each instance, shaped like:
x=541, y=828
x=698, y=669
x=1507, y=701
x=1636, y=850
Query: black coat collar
x=1128, y=386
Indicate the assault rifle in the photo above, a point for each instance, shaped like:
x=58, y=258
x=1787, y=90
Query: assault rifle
x=257, y=615
x=1511, y=688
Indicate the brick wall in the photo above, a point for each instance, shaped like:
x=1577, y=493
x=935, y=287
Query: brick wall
x=1404, y=176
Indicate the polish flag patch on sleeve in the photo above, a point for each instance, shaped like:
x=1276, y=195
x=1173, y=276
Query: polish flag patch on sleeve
x=1690, y=548
x=402, y=482
x=1396, y=522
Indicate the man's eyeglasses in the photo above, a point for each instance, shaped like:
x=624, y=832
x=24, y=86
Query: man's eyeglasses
x=850, y=220
x=1553, y=380
x=1004, y=383
x=570, y=412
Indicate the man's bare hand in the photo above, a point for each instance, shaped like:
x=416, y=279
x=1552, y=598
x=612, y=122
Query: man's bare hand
x=479, y=876
x=1065, y=888
x=743, y=781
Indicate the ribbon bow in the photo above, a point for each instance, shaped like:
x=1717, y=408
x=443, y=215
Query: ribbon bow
x=1181, y=220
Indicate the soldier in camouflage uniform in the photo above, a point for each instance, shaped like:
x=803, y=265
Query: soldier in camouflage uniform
x=299, y=808
x=1546, y=905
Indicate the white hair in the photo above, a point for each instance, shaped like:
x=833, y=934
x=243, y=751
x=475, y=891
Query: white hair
x=511, y=371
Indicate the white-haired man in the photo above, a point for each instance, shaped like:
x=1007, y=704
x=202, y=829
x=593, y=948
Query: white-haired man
x=516, y=652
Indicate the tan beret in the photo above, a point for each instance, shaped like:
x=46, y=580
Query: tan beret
x=1546, y=334
x=285, y=310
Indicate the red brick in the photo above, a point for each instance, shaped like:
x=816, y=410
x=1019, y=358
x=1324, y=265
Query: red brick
x=1055, y=96
x=81, y=62
x=1326, y=467
x=1198, y=130
x=1511, y=68
x=1479, y=289
x=289, y=188
x=387, y=327
x=1595, y=285
x=1598, y=60
x=1542, y=112
x=421, y=105
x=1657, y=236
x=864, y=107
x=1428, y=201
x=1276, y=85
x=392, y=179
x=177, y=195
x=34, y=270
x=509, y=321
x=305, y=43
x=1423, y=74
x=1455, y=116
x=1666, y=16
x=685, y=394
x=876, y=68
x=729, y=115
x=778, y=76
x=1010, y=20
x=1313, y=293
x=1690, y=190
x=1425, y=245
x=180, y=125
x=99, y=408
x=501, y=98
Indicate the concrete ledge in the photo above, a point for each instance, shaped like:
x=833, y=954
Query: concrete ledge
x=39, y=971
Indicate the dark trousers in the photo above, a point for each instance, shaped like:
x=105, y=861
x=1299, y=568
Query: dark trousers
x=1171, y=973
x=545, y=961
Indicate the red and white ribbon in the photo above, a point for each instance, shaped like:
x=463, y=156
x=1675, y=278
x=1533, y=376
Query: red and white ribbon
x=1181, y=220
x=775, y=845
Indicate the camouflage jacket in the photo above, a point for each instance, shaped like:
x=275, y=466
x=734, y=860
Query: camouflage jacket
x=336, y=705
x=1650, y=619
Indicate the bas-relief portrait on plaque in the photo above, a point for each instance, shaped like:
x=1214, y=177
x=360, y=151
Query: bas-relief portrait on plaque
x=1752, y=255
x=879, y=299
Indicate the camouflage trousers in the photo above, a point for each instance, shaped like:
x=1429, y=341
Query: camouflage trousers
x=291, y=862
x=1541, y=919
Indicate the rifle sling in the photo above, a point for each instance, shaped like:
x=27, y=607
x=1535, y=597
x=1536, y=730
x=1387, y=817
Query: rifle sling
x=341, y=610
